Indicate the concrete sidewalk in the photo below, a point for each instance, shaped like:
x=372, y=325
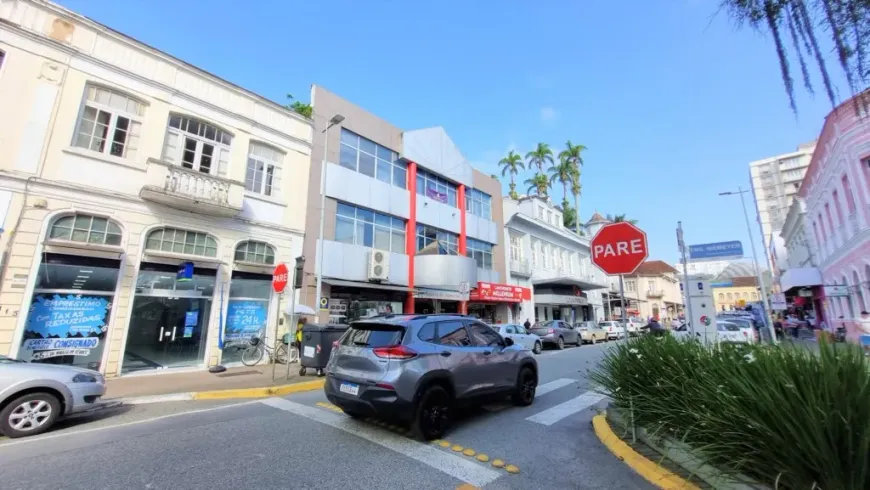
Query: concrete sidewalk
x=239, y=382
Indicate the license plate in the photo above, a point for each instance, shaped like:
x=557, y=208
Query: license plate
x=349, y=388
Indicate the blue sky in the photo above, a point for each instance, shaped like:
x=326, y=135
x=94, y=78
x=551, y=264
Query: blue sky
x=672, y=101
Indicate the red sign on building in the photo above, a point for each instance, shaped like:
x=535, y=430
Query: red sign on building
x=619, y=248
x=500, y=293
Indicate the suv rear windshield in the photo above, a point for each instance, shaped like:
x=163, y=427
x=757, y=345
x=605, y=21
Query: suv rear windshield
x=363, y=334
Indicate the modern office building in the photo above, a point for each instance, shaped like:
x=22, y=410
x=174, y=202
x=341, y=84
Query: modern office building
x=775, y=183
x=551, y=262
x=409, y=226
x=836, y=190
x=145, y=201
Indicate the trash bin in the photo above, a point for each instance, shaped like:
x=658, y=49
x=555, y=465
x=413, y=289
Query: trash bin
x=317, y=342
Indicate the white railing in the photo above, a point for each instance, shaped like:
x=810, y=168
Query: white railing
x=521, y=267
x=196, y=185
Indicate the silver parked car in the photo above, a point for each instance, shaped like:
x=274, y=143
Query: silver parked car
x=34, y=395
x=590, y=332
x=520, y=336
x=557, y=333
x=417, y=368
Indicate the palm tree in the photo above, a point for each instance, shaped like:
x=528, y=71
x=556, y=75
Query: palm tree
x=539, y=183
x=512, y=164
x=574, y=154
x=563, y=172
x=619, y=218
x=542, y=154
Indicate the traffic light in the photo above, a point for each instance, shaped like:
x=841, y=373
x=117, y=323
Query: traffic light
x=297, y=276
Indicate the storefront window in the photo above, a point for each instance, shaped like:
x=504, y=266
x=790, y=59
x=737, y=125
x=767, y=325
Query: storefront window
x=350, y=304
x=247, y=313
x=170, y=318
x=85, y=228
x=69, y=311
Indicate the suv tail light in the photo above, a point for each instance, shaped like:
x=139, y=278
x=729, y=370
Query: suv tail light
x=335, y=345
x=394, y=352
x=550, y=331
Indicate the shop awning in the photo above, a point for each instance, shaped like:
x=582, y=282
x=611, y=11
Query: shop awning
x=801, y=277
x=366, y=285
x=583, y=284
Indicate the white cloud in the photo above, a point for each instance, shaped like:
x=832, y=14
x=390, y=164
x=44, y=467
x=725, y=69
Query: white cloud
x=548, y=113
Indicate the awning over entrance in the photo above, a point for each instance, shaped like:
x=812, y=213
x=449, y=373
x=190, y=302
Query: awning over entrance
x=560, y=299
x=584, y=284
x=500, y=293
x=371, y=285
x=802, y=277
x=440, y=294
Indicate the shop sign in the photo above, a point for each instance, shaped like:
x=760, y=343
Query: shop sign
x=245, y=319
x=836, y=290
x=499, y=292
x=777, y=302
x=70, y=325
x=440, y=295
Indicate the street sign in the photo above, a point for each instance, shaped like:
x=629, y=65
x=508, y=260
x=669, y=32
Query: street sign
x=619, y=248
x=324, y=303
x=280, y=278
x=716, y=251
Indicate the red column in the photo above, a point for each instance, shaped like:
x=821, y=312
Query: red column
x=411, y=234
x=460, y=196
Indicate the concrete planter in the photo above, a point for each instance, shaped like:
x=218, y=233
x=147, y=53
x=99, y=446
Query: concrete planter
x=684, y=456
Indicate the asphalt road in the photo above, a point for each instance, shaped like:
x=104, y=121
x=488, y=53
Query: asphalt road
x=302, y=442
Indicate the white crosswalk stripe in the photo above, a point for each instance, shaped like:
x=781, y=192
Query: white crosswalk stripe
x=553, y=385
x=556, y=413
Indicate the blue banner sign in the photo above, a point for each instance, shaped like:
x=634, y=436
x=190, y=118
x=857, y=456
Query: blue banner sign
x=722, y=284
x=716, y=251
x=64, y=325
x=245, y=318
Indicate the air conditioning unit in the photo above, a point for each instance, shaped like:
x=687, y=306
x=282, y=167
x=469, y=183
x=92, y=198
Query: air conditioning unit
x=378, y=265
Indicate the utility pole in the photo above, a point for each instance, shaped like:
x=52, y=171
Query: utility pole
x=682, y=244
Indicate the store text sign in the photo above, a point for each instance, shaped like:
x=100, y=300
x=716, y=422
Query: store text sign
x=499, y=293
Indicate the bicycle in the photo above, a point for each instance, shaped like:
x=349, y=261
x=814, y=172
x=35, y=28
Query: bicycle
x=253, y=354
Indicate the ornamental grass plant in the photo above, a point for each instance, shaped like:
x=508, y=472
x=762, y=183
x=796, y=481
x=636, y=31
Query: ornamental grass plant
x=783, y=416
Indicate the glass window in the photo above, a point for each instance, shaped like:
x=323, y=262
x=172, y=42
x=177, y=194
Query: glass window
x=449, y=242
x=453, y=334
x=87, y=229
x=247, y=312
x=481, y=252
x=360, y=226
x=203, y=147
x=369, y=158
x=483, y=336
x=181, y=242
x=263, y=174
x=110, y=123
x=255, y=252
x=427, y=333
x=436, y=188
x=478, y=203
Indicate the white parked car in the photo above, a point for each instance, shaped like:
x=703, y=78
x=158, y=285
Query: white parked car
x=746, y=325
x=614, y=329
x=520, y=336
x=727, y=331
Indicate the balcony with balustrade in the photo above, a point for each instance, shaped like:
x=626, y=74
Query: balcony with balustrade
x=655, y=293
x=521, y=268
x=190, y=190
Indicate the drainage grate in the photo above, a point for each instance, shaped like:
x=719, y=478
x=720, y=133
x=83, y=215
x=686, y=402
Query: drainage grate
x=240, y=373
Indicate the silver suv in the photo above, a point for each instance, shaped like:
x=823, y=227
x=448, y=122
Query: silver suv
x=417, y=368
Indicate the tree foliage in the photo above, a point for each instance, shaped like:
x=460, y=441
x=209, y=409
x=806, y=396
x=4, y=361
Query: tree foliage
x=801, y=23
x=300, y=108
x=512, y=164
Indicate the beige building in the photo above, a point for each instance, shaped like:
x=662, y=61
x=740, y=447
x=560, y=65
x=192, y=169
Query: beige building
x=145, y=201
x=652, y=291
x=742, y=291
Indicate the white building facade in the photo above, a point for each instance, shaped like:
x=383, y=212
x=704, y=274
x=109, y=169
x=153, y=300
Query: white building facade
x=146, y=202
x=553, y=262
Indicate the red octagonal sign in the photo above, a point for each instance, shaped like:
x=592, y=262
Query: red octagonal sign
x=619, y=248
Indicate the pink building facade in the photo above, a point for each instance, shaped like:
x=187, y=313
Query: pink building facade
x=836, y=190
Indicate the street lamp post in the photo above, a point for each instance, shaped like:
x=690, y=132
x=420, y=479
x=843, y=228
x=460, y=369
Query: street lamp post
x=768, y=314
x=336, y=119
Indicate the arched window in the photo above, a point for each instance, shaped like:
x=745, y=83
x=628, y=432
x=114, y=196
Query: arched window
x=181, y=242
x=745, y=295
x=754, y=296
x=730, y=297
x=255, y=252
x=110, y=122
x=197, y=145
x=721, y=297
x=86, y=229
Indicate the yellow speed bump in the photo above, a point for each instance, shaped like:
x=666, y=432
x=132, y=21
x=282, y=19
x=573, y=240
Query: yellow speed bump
x=444, y=444
x=469, y=452
x=512, y=469
x=482, y=458
x=497, y=463
x=457, y=448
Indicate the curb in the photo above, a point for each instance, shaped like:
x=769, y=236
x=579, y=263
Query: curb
x=261, y=392
x=650, y=471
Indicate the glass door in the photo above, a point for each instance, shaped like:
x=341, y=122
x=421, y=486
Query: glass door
x=169, y=323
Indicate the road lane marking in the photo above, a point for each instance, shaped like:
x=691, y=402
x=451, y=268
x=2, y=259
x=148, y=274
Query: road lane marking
x=125, y=424
x=553, y=385
x=452, y=464
x=554, y=414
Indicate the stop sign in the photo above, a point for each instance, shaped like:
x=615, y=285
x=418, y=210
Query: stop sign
x=619, y=248
x=280, y=277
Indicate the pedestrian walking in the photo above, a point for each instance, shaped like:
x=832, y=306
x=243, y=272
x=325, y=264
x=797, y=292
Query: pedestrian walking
x=527, y=325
